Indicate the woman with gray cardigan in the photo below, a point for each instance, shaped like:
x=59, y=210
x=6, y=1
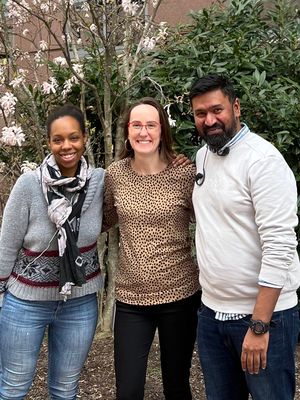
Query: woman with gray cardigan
x=49, y=272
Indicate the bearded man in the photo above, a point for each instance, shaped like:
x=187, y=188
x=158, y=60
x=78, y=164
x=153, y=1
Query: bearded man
x=245, y=201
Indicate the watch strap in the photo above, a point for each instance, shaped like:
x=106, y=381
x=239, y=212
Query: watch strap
x=258, y=326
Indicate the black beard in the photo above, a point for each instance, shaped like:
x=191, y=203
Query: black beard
x=216, y=142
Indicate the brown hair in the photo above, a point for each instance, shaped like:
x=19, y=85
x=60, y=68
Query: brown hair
x=166, y=137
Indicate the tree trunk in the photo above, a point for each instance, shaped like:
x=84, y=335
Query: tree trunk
x=107, y=315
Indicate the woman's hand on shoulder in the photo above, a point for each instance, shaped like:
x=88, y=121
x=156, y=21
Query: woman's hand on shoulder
x=181, y=160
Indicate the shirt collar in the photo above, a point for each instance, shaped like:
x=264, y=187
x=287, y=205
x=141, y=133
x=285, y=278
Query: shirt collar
x=236, y=138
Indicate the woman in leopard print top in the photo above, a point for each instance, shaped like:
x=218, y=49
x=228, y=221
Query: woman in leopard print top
x=157, y=280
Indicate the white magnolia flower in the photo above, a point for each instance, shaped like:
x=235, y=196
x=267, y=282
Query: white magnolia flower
x=79, y=41
x=17, y=81
x=49, y=87
x=12, y=135
x=93, y=28
x=85, y=7
x=66, y=37
x=60, y=61
x=154, y=3
x=162, y=32
x=7, y=103
x=43, y=45
x=2, y=75
x=27, y=166
x=130, y=7
x=78, y=69
x=45, y=7
x=24, y=4
x=38, y=58
x=25, y=56
x=2, y=167
x=67, y=87
x=149, y=43
x=17, y=12
x=25, y=32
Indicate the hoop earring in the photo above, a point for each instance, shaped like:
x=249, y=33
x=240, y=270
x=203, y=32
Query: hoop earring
x=127, y=147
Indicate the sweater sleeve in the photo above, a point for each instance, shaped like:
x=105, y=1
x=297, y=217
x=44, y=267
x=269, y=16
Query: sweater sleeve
x=110, y=216
x=274, y=196
x=13, y=229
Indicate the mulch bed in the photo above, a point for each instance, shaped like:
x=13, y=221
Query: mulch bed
x=98, y=382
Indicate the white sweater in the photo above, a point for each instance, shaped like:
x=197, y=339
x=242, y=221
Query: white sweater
x=246, y=214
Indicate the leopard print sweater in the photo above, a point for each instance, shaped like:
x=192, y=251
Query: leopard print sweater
x=153, y=212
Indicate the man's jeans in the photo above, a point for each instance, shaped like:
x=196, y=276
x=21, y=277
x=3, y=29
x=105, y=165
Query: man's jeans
x=220, y=345
x=71, y=328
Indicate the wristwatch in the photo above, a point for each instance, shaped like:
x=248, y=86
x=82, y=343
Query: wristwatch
x=259, y=327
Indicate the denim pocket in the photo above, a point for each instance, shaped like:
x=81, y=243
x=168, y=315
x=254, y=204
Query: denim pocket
x=245, y=320
x=205, y=312
x=201, y=309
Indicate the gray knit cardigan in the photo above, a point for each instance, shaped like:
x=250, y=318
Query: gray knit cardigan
x=26, y=231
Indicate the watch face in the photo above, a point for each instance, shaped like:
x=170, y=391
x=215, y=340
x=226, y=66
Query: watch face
x=258, y=327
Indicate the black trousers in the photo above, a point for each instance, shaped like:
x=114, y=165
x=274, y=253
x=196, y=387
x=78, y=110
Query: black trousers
x=135, y=327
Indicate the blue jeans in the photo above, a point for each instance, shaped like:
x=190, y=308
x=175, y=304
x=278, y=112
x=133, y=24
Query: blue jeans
x=71, y=327
x=220, y=345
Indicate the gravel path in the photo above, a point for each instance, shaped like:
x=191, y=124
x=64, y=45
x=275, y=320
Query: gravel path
x=97, y=380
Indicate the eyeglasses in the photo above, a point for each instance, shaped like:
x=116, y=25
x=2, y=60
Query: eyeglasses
x=138, y=126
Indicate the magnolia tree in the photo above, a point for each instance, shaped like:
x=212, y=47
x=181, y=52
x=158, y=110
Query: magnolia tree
x=86, y=51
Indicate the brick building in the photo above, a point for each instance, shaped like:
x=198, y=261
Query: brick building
x=176, y=11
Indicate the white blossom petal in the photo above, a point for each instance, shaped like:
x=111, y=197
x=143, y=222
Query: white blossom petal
x=149, y=43
x=27, y=166
x=130, y=7
x=12, y=135
x=50, y=86
x=93, y=28
x=43, y=45
x=60, y=61
x=7, y=103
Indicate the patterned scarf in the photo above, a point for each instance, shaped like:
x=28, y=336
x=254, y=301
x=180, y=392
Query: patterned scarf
x=65, y=197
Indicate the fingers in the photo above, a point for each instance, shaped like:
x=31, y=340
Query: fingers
x=263, y=360
x=182, y=160
x=244, y=361
x=254, y=361
x=254, y=352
